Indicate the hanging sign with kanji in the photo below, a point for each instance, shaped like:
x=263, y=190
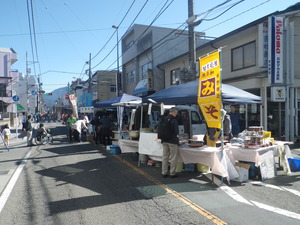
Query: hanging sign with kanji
x=209, y=89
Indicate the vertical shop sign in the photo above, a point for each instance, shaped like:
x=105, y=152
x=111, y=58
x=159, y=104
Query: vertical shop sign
x=209, y=89
x=275, y=49
x=72, y=98
x=263, y=45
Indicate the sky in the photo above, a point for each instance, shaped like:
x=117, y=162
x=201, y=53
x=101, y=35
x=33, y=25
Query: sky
x=66, y=32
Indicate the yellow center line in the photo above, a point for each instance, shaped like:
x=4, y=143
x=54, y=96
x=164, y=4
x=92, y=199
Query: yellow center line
x=179, y=196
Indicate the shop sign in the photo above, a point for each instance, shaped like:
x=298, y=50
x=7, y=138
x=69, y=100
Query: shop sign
x=209, y=89
x=278, y=94
x=275, y=48
x=263, y=45
x=86, y=109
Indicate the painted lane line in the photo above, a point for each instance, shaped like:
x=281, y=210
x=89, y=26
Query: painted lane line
x=266, y=185
x=7, y=191
x=277, y=210
x=295, y=192
x=292, y=191
x=229, y=191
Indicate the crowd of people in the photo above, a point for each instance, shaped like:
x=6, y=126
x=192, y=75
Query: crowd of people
x=99, y=126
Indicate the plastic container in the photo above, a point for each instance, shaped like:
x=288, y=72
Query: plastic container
x=294, y=163
x=189, y=167
x=202, y=168
x=114, y=149
x=179, y=167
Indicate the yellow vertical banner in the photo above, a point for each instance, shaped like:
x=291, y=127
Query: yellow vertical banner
x=209, y=89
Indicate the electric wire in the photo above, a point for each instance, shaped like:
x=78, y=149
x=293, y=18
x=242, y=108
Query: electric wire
x=114, y=31
x=120, y=40
x=162, y=10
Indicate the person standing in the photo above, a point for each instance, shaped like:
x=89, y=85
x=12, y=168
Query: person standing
x=235, y=120
x=6, y=134
x=29, y=129
x=105, y=125
x=23, y=119
x=168, y=133
x=70, y=122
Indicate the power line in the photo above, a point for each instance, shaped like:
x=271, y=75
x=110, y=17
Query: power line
x=162, y=10
x=113, y=32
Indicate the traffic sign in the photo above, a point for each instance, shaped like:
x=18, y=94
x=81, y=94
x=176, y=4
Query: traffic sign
x=33, y=92
x=15, y=98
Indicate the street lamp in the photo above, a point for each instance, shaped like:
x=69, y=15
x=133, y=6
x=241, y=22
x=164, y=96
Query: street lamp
x=118, y=76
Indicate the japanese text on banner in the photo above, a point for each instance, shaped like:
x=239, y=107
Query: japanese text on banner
x=209, y=89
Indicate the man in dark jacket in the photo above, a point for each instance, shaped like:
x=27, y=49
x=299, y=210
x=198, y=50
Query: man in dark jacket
x=170, y=144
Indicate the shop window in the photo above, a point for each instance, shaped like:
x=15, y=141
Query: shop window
x=145, y=69
x=174, y=74
x=131, y=77
x=244, y=56
x=113, y=88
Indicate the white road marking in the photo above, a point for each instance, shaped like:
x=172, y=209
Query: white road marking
x=234, y=195
x=276, y=187
x=5, y=195
x=292, y=191
x=266, y=185
x=277, y=210
x=239, y=198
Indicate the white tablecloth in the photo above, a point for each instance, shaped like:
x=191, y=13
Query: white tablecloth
x=218, y=160
x=251, y=154
x=128, y=145
x=149, y=145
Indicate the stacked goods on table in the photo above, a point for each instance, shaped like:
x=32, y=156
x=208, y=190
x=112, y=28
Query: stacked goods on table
x=254, y=137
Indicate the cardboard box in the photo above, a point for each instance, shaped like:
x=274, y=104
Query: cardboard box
x=243, y=171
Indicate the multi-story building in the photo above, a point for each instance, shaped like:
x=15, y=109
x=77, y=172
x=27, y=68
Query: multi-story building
x=144, y=48
x=8, y=77
x=245, y=64
x=27, y=91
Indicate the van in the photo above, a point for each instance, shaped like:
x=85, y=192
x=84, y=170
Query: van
x=190, y=120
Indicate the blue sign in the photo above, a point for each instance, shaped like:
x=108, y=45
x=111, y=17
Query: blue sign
x=33, y=92
x=15, y=98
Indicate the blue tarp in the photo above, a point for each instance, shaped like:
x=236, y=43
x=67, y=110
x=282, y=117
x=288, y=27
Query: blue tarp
x=119, y=99
x=187, y=94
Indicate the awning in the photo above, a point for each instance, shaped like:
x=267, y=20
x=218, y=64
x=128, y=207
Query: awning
x=141, y=88
x=188, y=93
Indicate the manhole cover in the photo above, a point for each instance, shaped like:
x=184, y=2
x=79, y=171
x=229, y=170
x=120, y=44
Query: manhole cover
x=4, y=172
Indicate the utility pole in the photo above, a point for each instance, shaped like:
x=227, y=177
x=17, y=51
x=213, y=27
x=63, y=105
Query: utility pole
x=192, y=45
x=27, y=81
x=90, y=76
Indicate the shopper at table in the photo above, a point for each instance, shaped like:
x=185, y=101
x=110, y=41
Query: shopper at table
x=105, y=125
x=235, y=120
x=168, y=133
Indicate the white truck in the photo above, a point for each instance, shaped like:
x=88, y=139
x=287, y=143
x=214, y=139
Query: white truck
x=190, y=121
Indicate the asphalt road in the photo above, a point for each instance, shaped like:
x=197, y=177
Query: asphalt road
x=80, y=183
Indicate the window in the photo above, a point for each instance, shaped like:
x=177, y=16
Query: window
x=131, y=77
x=195, y=118
x=113, y=88
x=175, y=79
x=145, y=69
x=3, y=90
x=244, y=56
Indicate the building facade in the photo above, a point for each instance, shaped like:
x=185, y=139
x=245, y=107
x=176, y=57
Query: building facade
x=246, y=61
x=143, y=49
x=8, y=78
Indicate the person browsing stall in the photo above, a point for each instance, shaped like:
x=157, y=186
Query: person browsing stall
x=168, y=133
x=71, y=120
